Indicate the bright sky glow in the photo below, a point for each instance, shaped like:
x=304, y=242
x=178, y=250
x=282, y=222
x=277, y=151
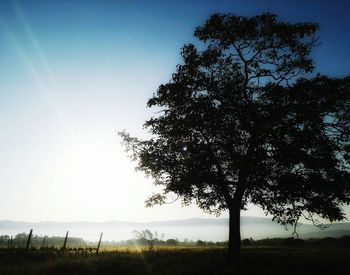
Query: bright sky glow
x=74, y=73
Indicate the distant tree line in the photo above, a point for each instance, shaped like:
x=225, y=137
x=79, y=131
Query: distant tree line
x=151, y=239
x=295, y=242
x=275, y=242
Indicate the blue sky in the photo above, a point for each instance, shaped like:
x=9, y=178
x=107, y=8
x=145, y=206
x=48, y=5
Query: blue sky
x=73, y=73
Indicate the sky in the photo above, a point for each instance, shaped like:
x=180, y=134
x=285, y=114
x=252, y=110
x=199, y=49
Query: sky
x=74, y=73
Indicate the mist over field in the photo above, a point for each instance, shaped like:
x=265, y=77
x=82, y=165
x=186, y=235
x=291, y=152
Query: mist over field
x=190, y=229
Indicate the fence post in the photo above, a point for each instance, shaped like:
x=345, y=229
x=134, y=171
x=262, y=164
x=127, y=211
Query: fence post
x=29, y=237
x=44, y=242
x=65, y=241
x=99, y=243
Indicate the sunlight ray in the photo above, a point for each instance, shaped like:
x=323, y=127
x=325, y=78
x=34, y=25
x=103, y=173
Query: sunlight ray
x=142, y=256
x=36, y=44
x=48, y=89
x=35, y=74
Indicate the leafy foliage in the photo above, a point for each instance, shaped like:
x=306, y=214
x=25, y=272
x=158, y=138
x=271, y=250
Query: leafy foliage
x=240, y=123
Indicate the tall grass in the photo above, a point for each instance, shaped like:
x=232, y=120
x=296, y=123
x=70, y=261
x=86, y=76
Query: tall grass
x=176, y=260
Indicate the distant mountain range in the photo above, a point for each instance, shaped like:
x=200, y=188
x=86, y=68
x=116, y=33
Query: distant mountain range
x=191, y=229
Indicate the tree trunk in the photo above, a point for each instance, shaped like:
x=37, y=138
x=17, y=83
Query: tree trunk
x=234, y=242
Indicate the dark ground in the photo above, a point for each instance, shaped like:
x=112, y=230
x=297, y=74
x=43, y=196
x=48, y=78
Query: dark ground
x=255, y=260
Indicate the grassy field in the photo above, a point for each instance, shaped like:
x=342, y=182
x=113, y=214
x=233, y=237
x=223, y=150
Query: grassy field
x=195, y=260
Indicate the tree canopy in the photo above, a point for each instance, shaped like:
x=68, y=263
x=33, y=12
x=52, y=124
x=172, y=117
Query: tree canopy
x=241, y=121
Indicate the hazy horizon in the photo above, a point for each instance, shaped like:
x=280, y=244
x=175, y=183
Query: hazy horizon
x=192, y=229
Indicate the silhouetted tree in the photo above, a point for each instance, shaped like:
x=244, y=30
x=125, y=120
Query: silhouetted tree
x=146, y=237
x=239, y=123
